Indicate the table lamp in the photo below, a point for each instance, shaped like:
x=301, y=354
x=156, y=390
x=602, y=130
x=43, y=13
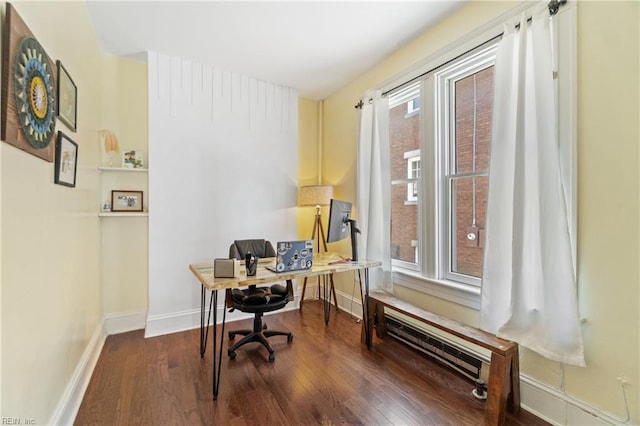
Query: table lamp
x=316, y=195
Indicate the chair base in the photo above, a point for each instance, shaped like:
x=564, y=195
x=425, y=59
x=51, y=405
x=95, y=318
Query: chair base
x=258, y=334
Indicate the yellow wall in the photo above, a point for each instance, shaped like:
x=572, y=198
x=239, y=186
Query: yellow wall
x=50, y=236
x=307, y=159
x=608, y=203
x=124, y=241
x=52, y=296
x=608, y=194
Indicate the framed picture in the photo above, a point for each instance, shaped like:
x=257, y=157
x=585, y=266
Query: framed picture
x=126, y=201
x=132, y=160
x=67, y=98
x=28, y=117
x=66, y=163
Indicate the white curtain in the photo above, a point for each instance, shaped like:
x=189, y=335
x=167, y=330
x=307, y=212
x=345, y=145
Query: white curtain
x=529, y=292
x=374, y=188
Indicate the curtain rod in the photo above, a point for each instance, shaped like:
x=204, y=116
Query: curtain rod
x=553, y=6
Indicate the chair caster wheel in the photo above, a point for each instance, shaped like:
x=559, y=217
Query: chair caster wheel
x=232, y=335
x=232, y=354
x=272, y=357
x=290, y=338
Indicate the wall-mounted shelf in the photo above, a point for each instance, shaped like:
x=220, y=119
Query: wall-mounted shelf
x=123, y=214
x=121, y=169
x=113, y=174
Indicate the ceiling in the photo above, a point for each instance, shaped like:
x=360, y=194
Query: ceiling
x=315, y=47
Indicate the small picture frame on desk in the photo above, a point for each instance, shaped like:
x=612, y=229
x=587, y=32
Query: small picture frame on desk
x=126, y=201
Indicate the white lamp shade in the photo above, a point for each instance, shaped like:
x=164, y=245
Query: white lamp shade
x=315, y=195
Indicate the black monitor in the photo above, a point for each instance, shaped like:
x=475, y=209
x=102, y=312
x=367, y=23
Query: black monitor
x=341, y=225
x=339, y=215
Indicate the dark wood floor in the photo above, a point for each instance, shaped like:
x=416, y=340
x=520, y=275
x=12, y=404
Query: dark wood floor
x=323, y=377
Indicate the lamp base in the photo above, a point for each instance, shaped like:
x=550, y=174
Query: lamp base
x=318, y=236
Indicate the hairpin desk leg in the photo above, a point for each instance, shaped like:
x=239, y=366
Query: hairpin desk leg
x=333, y=291
x=217, y=352
x=366, y=283
x=326, y=298
x=204, y=330
x=364, y=298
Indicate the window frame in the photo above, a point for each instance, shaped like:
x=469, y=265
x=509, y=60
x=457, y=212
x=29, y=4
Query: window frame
x=445, y=78
x=564, y=26
x=437, y=142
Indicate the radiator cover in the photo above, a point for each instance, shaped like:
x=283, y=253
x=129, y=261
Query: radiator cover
x=460, y=359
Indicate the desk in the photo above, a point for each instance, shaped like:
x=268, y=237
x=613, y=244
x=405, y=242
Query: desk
x=204, y=274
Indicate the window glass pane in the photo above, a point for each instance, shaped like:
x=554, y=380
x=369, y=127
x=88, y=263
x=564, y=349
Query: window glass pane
x=467, y=228
x=473, y=109
x=413, y=105
x=404, y=225
x=413, y=172
x=404, y=139
x=473, y=125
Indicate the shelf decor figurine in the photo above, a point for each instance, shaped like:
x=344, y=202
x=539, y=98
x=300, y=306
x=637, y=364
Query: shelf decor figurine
x=109, y=145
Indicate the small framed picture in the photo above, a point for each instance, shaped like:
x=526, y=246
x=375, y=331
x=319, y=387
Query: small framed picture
x=126, y=201
x=66, y=163
x=67, y=98
x=132, y=160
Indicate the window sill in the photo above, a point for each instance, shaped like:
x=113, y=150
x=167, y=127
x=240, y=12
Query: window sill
x=461, y=294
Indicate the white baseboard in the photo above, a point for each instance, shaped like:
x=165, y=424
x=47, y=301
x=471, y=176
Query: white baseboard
x=68, y=405
x=558, y=408
x=124, y=322
x=350, y=304
x=346, y=302
x=175, y=322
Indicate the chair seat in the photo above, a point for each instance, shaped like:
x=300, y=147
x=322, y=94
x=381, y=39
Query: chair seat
x=260, y=299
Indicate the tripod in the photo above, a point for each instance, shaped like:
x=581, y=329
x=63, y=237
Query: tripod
x=328, y=288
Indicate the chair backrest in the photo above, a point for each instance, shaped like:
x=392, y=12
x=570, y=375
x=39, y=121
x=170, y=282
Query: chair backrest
x=259, y=248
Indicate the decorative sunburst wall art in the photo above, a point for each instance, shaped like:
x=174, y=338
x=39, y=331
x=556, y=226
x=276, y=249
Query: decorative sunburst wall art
x=34, y=93
x=28, y=90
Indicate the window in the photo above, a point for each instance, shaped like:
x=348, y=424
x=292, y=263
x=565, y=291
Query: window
x=413, y=105
x=439, y=201
x=413, y=174
x=441, y=121
x=465, y=89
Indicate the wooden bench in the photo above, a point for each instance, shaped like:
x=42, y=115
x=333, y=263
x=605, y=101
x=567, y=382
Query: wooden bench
x=503, y=388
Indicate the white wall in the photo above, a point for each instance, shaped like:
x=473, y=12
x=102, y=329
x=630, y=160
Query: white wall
x=223, y=155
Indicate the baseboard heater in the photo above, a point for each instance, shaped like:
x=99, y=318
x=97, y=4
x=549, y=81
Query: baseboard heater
x=457, y=357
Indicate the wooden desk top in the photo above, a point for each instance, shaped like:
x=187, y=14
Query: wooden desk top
x=204, y=273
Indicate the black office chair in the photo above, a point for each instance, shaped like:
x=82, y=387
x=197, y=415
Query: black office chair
x=257, y=300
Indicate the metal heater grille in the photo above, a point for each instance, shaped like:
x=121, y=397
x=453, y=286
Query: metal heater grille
x=434, y=346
